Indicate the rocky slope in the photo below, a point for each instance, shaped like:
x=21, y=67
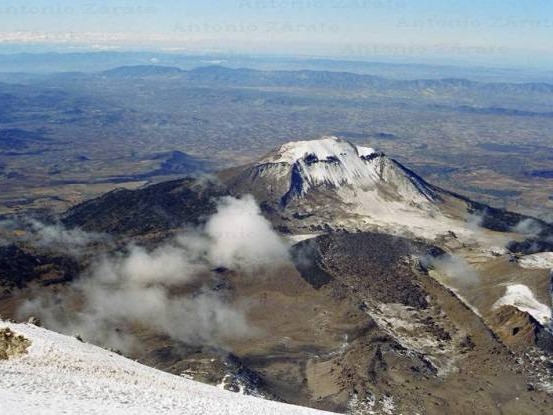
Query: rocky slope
x=157, y=208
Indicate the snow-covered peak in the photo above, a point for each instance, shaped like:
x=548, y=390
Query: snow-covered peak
x=331, y=164
x=326, y=148
x=330, y=161
x=334, y=182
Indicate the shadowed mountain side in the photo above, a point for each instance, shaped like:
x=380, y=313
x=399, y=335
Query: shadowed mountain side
x=156, y=208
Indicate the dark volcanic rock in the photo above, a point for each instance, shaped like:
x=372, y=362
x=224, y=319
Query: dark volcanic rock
x=157, y=208
x=504, y=221
x=378, y=266
x=500, y=220
x=530, y=246
x=308, y=260
x=18, y=267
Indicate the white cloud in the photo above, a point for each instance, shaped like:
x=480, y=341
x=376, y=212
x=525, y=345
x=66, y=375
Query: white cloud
x=242, y=237
x=166, y=288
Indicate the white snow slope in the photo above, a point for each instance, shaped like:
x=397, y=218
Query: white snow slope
x=62, y=375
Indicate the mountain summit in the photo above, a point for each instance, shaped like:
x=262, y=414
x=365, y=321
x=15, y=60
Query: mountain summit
x=334, y=184
x=333, y=163
x=342, y=185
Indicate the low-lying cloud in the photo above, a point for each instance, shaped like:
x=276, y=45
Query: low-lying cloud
x=242, y=236
x=528, y=227
x=456, y=268
x=54, y=237
x=167, y=289
x=475, y=220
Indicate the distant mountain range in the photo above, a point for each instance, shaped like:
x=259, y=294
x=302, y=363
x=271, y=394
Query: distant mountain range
x=51, y=62
x=220, y=75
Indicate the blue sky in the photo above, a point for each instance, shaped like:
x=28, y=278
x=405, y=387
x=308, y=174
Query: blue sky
x=485, y=30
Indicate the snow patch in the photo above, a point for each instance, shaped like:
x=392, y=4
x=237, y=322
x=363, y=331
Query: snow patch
x=388, y=405
x=302, y=237
x=365, y=151
x=520, y=296
x=542, y=260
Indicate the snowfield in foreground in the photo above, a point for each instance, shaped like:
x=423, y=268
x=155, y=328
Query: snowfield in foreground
x=62, y=375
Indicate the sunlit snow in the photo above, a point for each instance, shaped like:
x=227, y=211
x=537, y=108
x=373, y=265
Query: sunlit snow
x=62, y=375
